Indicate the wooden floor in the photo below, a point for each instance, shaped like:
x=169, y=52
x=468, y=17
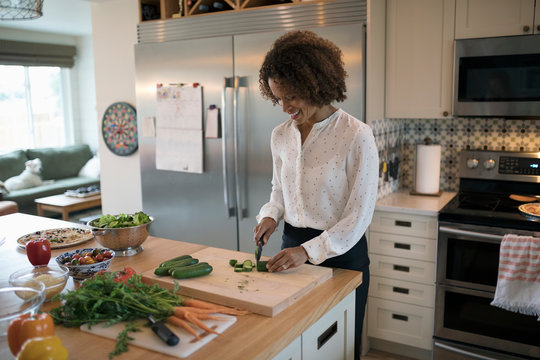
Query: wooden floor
x=381, y=355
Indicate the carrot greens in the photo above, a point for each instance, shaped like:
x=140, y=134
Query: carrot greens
x=101, y=299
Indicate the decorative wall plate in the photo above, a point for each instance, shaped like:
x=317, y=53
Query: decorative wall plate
x=119, y=129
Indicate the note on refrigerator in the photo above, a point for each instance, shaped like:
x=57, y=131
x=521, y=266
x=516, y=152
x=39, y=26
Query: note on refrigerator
x=212, y=123
x=179, y=129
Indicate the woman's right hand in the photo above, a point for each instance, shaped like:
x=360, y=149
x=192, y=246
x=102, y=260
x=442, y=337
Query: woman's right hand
x=265, y=228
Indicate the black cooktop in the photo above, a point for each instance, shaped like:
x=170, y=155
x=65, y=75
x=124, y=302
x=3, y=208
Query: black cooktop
x=490, y=203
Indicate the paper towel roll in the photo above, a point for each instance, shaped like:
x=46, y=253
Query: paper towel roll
x=428, y=168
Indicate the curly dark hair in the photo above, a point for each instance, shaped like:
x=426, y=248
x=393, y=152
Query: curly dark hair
x=307, y=66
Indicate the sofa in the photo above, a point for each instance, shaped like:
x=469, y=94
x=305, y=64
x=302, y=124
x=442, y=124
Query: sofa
x=62, y=169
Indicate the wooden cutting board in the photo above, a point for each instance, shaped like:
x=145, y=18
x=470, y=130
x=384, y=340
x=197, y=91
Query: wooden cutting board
x=259, y=292
x=148, y=340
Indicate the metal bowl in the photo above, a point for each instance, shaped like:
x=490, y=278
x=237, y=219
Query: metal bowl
x=124, y=241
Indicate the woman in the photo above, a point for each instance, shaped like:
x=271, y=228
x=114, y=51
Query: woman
x=325, y=164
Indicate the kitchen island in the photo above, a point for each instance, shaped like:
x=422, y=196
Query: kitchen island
x=253, y=336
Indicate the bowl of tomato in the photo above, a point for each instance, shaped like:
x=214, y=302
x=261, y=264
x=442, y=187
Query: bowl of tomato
x=85, y=263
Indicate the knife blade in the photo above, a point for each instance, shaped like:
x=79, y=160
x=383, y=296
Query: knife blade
x=259, y=250
x=163, y=331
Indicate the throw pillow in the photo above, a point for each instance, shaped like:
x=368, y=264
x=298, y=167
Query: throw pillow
x=91, y=168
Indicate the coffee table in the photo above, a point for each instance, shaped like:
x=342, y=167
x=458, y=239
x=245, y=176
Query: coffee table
x=65, y=204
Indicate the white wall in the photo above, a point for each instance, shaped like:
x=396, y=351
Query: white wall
x=114, y=33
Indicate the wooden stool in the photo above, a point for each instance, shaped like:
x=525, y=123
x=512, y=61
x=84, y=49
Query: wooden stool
x=8, y=207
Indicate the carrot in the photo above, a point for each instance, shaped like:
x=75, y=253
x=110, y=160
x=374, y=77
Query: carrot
x=215, y=308
x=181, y=323
x=194, y=320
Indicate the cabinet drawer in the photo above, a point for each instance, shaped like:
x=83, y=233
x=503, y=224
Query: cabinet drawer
x=409, y=247
x=402, y=291
x=332, y=336
x=404, y=224
x=402, y=323
x=293, y=351
x=402, y=269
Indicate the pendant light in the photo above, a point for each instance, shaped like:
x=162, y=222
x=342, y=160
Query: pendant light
x=20, y=9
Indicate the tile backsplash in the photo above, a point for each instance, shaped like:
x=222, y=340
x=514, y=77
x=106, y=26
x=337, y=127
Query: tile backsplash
x=397, y=138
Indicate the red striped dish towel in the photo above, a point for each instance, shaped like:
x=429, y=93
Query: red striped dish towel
x=518, y=284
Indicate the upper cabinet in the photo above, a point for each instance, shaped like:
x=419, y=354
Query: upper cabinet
x=169, y=9
x=486, y=18
x=419, y=53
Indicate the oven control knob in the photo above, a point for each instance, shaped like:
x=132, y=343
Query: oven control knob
x=472, y=163
x=489, y=164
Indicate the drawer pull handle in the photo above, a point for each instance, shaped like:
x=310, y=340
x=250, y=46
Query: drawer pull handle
x=403, y=223
x=402, y=268
x=400, y=317
x=402, y=246
x=400, y=290
x=326, y=335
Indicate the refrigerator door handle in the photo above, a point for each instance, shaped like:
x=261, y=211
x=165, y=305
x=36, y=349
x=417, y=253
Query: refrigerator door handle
x=240, y=180
x=227, y=83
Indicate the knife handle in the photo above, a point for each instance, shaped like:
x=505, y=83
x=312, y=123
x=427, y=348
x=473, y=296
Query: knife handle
x=165, y=333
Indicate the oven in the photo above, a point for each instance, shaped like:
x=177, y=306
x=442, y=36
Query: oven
x=471, y=228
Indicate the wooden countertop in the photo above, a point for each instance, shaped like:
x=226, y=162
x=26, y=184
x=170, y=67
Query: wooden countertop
x=251, y=337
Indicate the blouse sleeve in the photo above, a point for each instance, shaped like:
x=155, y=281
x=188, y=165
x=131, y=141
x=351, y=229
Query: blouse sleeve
x=275, y=208
x=362, y=176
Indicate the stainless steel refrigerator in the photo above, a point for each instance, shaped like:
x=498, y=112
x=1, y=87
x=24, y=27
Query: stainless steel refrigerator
x=218, y=207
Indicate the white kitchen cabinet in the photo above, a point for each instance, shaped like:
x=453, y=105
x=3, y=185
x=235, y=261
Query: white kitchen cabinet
x=419, y=58
x=486, y=18
x=402, y=250
x=330, y=338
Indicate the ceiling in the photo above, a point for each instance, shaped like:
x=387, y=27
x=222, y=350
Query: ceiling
x=67, y=17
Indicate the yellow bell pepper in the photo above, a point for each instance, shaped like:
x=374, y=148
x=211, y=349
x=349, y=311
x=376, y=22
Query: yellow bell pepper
x=43, y=348
x=28, y=326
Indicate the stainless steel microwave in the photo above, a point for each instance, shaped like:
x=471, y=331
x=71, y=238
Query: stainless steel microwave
x=497, y=77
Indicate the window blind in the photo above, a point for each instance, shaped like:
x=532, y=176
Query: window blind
x=36, y=54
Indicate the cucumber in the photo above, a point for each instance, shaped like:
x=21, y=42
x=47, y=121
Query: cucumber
x=179, y=258
x=166, y=270
x=261, y=266
x=238, y=269
x=233, y=262
x=182, y=263
x=192, y=271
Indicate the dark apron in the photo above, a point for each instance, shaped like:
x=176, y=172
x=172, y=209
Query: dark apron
x=354, y=259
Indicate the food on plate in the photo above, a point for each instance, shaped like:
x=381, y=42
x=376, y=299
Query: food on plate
x=183, y=267
x=26, y=327
x=49, y=347
x=530, y=209
x=58, y=238
x=85, y=263
x=121, y=221
x=87, y=257
x=38, y=251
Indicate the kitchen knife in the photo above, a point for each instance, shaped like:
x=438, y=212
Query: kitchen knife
x=259, y=250
x=163, y=331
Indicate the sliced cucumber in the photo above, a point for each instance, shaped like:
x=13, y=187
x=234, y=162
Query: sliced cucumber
x=261, y=266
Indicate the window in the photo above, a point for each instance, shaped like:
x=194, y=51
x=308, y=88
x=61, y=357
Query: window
x=33, y=107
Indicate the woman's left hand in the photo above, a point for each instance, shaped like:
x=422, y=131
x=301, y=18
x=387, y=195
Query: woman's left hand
x=287, y=258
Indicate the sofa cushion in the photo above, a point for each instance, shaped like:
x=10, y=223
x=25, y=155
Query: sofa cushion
x=63, y=162
x=25, y=197
x=12, y=164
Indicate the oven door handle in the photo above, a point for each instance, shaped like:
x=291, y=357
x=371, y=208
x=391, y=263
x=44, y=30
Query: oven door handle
x=462, y=352
x=475, y=234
